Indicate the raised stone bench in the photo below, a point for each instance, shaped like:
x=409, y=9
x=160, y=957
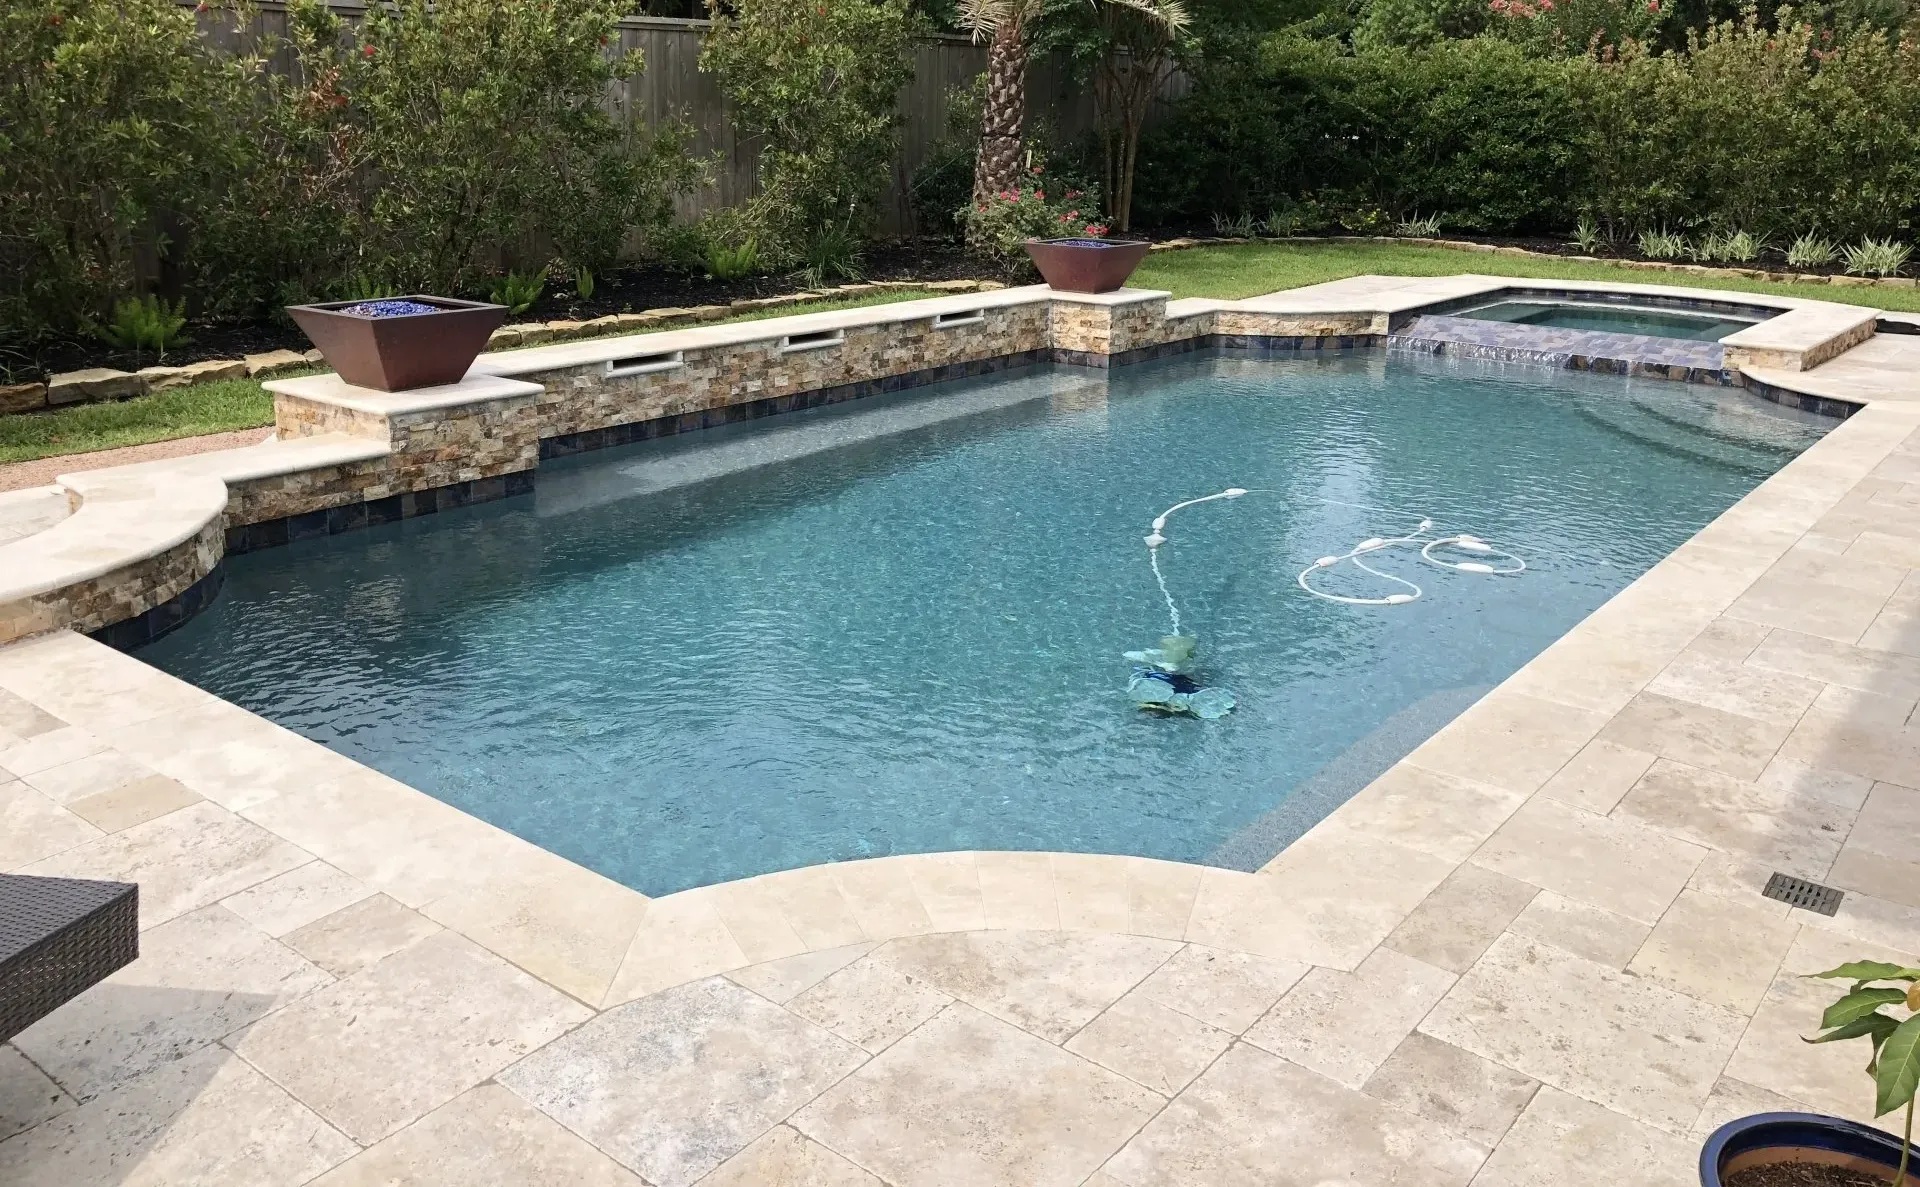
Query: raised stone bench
x=1801, y=338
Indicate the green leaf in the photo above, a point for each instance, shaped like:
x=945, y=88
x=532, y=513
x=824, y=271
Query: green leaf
x=1899, y=1072
x=1859, y=1002
x=1871, y=970
x=1877, y=1025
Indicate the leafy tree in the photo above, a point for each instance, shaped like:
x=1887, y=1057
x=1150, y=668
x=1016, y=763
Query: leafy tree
x=814, y=85
x=1010, y=27
x=113, y=113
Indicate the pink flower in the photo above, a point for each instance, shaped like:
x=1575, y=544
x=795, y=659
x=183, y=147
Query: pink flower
x=366, y=51
x=1072, y=194
x=1036, y=170
x=1653, y=5
x=1096, y=229
x=1546, y=5
x=1071, y=214
x=1040, y=194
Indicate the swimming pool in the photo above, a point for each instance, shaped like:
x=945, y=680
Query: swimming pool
x=898, y=625
x=1613, y=317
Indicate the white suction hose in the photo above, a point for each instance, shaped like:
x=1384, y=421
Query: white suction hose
x=1507, y=564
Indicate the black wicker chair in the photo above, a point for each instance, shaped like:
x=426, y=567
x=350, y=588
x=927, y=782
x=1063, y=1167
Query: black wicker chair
x=58, y=937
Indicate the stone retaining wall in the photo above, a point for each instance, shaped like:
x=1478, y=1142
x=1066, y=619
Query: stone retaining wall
x=582, y=399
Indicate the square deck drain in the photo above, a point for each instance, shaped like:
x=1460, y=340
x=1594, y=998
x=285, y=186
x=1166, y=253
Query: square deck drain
x=1801, y=893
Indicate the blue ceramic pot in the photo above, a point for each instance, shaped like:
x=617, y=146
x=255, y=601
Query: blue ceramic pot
x=1797, y=1137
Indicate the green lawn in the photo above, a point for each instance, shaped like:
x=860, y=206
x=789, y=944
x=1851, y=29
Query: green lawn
x=238, y=403
x=1250, y=269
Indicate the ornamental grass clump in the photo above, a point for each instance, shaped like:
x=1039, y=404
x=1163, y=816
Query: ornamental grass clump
x=1418, y=227
x=1812, y=251
x=1895, y=1063
x=1877, y=257
x=1727, y=247
x=1663, y=244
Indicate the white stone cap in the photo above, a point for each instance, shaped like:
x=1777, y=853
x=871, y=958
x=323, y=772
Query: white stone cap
x=128, y=514
x=561, y=355
x=268, y=459
x=1114, y=298
x=479, y=387
x=123, y=518
x=1807, y=327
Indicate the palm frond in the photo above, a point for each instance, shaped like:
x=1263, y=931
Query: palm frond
x=1171, y=15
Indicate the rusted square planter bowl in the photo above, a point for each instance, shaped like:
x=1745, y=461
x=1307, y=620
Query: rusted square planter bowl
x=400, y=352
x=1086, y=265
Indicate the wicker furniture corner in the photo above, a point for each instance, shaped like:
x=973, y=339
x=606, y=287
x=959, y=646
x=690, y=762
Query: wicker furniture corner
x=58, y=937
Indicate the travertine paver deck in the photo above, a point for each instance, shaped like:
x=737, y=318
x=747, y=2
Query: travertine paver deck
x=1534, y=952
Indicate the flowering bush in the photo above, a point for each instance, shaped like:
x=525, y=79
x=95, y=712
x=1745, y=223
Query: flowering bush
x=1000, y=225
x=1576, y=26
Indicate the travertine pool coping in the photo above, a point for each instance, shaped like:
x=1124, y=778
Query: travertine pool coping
x=1534, y=951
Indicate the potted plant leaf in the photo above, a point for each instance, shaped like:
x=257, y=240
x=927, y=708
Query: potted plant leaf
x=1882, y=1006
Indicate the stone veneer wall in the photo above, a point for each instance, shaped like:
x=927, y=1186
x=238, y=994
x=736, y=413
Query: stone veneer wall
x=1742, y=357
x=122, y=594
x=1298, y=325
x=582, y=399
x=429, y=449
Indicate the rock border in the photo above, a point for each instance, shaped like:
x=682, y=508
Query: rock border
x=102, y=384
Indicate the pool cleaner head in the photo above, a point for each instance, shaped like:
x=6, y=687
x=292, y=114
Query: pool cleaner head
x=1171, y=693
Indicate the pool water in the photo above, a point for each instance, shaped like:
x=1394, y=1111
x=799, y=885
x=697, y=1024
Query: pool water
x=1649, y=321
x=898, y=625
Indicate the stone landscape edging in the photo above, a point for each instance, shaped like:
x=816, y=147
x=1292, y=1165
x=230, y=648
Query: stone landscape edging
x=92, y=385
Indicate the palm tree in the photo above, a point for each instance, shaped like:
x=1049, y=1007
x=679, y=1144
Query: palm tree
x=1008, y=25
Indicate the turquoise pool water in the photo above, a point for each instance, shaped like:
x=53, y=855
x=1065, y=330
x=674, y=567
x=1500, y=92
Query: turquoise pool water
x=1613, y=319
x=897, y=626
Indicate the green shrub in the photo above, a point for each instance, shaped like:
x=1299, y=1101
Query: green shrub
x=1664, y=244
x=832, y=255
x=142, y=324
x=518, y=290
x=1727, y=247
x=436, y=141
x=1812, y=251
x=813, y=85
x=1480, y=129
x=112, y=112
x=1418, y=227
x=1587, y=235
x=733, y=263
x=1769, y=129
x=999, y=226
x=1876, y=257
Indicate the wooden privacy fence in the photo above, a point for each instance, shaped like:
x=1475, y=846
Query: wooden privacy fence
x=670, y=86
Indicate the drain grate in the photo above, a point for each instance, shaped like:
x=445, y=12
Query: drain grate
x=1801, y=893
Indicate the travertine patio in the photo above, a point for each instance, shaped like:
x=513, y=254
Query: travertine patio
x=1533, y=952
